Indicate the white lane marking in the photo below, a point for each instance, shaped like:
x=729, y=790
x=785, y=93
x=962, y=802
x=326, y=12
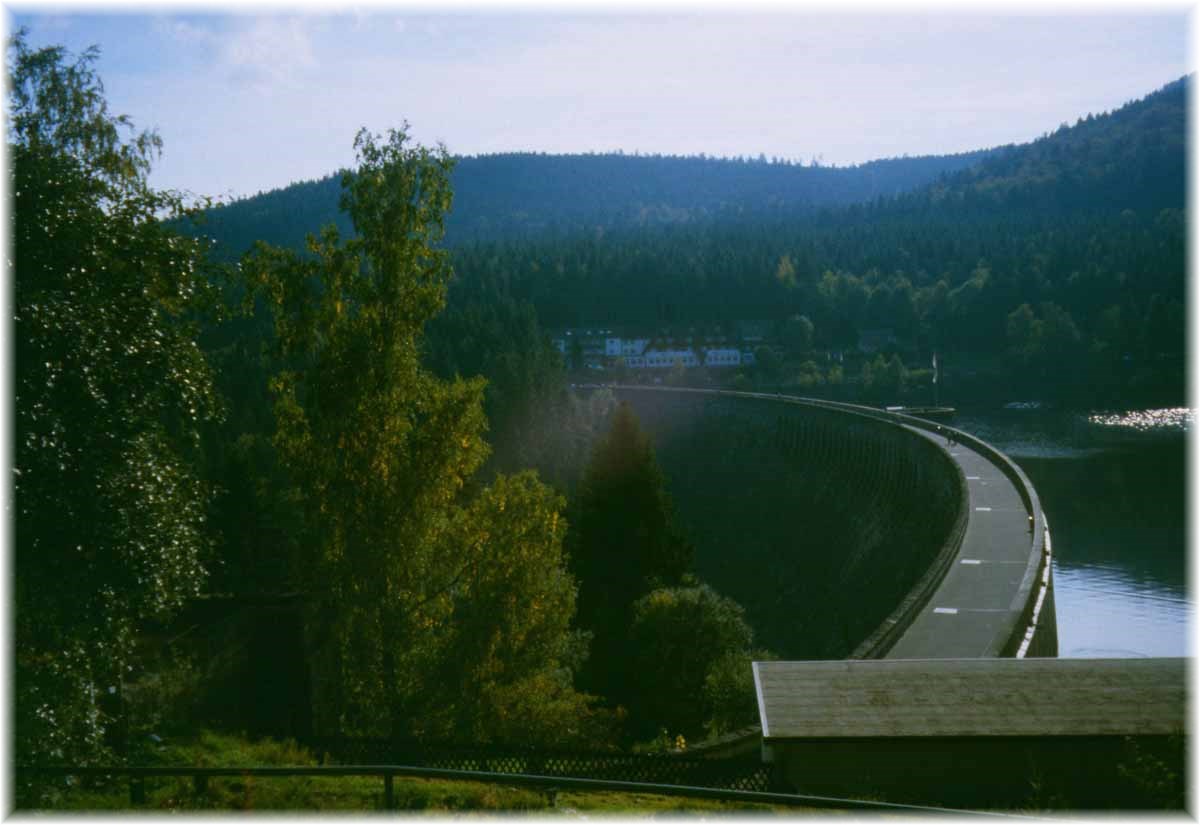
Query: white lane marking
x=972, y=478
x=983, y=509
x=971, y=561
x=950, y=611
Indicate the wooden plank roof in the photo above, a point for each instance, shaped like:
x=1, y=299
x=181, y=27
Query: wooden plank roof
x=970, y=697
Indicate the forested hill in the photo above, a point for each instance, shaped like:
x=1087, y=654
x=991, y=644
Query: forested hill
x=523, y=195
x=1063, y=259
x=1132, y=158
x=516, y=194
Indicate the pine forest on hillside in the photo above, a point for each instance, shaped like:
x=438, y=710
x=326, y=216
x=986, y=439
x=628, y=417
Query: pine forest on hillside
x=1002, y=260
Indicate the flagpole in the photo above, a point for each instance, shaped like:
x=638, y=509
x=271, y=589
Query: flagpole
x=935, y=378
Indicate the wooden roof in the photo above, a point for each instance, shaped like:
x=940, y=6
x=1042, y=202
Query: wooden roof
x=970, y=697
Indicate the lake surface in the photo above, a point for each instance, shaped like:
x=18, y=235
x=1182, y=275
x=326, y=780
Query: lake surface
x=1113, y=487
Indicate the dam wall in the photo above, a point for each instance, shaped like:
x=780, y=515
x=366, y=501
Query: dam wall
x=821, y=522
x=834, y=524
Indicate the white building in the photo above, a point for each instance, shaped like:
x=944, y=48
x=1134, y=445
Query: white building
x=602, y=347
x=665, y=354
x=722, y=357
x=633, y=347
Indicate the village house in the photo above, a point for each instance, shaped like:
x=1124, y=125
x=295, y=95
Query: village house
x=605, y=348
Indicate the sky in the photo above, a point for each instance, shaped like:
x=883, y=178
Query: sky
x=247, y=102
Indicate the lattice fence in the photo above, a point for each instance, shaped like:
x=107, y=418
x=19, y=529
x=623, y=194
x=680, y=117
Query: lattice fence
x=744, y=774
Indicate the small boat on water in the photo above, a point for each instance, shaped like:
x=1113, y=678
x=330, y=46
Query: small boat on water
x=938, y=413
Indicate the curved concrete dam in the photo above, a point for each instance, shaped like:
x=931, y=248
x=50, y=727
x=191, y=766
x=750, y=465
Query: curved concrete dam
x=848, y=531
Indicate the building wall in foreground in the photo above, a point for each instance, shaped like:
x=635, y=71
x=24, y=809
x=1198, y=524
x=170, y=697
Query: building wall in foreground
x=1080, y=772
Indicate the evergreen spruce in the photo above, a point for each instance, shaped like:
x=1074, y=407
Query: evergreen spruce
x=624, y=544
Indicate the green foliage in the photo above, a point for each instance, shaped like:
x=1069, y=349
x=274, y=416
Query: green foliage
x=111, y=394
x=1039, y=346
x=623, y=543
x=768, y=367
x=490, y=335
x=284, y=793
x=785, y=272
x=640, y=804
x=58, y=111
x=1024, y=333
x=730, y=699
x=415, y=583
x=173, y=795
x=676, y=638
x=162, y=701
x=883, y=379
x=568, y=428
x=796, y=334
x=1154, y=777
x=503, y=666
x=808, y=375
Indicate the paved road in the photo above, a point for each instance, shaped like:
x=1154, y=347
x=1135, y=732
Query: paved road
x=968, y=609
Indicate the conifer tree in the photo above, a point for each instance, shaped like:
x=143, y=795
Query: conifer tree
x=624, y=543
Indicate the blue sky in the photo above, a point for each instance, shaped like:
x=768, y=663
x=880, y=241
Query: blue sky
x=248, y=102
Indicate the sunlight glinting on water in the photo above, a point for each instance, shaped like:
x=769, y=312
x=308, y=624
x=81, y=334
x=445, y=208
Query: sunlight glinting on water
x=1146, y=420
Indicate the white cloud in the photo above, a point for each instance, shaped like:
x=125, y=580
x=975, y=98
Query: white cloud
x=270, y=52
x=185, y=32
x=850, y=88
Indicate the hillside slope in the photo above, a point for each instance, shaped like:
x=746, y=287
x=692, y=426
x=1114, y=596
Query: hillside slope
x=524, y=195
x=1131, y=158
x=1067, y=250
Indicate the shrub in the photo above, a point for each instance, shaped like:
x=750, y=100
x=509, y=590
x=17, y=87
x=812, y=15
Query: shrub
x=729, y=697
x=676, y=636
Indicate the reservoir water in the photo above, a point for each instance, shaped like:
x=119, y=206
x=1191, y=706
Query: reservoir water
x=1113, y=487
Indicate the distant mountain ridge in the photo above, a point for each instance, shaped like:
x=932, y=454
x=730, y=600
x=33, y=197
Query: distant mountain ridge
x=525, y=194
x=1133, y=158
x=517, y=194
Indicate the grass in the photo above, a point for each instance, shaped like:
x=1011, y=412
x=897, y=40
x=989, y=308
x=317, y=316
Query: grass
x=347, y=794
x=632, y=804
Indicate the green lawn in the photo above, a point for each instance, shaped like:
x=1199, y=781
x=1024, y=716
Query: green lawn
x=351, y=793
